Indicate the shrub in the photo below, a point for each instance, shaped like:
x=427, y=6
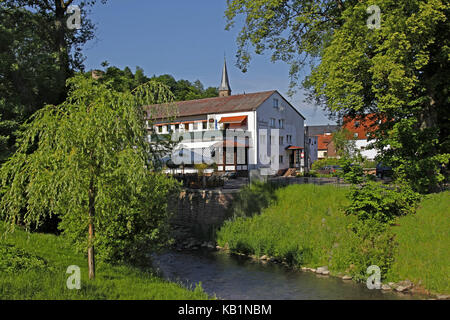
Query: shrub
x=17, y=260
x=374, y=201
x=324, y=162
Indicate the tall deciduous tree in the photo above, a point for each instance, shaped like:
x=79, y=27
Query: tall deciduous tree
x=38, y=53
x=88, y=161
x=399, y=71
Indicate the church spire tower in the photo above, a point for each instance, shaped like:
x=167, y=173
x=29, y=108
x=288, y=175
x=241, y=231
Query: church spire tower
x=224, y=89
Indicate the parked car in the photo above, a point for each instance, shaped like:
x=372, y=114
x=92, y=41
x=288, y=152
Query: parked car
x=383, y=171
x=329, y=169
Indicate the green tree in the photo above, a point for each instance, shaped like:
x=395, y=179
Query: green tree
x=38, y=53
x=344, y=143
x=398, y=71
x=89, y=162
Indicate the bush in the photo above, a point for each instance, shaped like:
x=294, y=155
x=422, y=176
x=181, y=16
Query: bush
x=17, y=260
x=374, y=201
x=324, y=162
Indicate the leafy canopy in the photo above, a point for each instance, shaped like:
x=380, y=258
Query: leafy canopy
x=92, y=150
x=397, y=72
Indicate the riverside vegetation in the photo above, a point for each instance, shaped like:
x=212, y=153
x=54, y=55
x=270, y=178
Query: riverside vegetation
x=33, y=266
x=313, y=226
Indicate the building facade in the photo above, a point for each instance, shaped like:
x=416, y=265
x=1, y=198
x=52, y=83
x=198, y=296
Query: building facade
x=241, y=132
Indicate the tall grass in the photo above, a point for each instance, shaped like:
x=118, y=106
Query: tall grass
x=305, y=226
x=423, y=254
x=26, y=277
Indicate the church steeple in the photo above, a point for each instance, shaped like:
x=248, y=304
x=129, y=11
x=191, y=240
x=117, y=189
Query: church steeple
x=224, y=89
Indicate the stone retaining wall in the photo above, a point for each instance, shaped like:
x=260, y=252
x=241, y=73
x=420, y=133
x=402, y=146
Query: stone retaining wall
x=201, y=212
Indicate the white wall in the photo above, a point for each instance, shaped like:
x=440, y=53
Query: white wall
x=293, y=125
x=367, y=153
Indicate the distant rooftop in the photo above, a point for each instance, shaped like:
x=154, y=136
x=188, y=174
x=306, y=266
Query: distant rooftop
x=322, y=129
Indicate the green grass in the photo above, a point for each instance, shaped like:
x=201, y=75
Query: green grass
x=34, y=266
x=306, y=226
x=423, y=254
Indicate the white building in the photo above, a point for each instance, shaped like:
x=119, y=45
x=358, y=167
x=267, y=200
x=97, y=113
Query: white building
x=236, y=132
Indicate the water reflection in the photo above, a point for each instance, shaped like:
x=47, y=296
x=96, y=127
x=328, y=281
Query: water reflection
x=240, y=278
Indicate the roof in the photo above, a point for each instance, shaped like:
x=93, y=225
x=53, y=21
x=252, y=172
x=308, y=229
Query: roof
x=235, y=103
x=361, y=125
x=321, y=129
x=225, y=84
x=323, y=141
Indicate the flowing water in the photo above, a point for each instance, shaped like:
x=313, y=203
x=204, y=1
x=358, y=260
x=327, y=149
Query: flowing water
x=240, y=278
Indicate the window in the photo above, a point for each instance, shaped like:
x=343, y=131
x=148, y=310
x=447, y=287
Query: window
x=281, y=140
x=177, y=127
x=272, y=122
x=356, y=124
x=204, y=126
x=281, y=123
x=289, y=139
x=275, y=103
x=355, y=135
x=281, y=159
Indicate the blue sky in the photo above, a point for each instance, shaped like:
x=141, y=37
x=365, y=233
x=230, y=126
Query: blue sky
x=186, y=39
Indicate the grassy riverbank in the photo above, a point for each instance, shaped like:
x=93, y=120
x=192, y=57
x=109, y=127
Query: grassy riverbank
x=306, y=227
x=33, y=266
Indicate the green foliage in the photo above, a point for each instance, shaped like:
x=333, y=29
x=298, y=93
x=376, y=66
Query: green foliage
x=344, y=143
x=372, y=244
x=37, y=55
x=351, y=172
x=304, y=226
x=88, y=160
x=372, y=201
x=324, y=162
x=185, y=90
x=253, y=199
x=31, y=280
x=17, y=260
x=423, y=240
x=398, y=72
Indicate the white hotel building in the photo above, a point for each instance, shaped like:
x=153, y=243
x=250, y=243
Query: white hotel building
x=234, y=131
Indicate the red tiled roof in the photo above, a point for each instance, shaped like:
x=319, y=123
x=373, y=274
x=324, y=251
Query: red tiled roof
x=323, y=141
x=361, y=125
x=235, y=103
x=293, y=148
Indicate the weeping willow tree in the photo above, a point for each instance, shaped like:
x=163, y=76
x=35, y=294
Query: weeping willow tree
x=89, y=162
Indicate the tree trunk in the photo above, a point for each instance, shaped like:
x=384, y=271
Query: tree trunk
x=61, y=47
x=91, y=257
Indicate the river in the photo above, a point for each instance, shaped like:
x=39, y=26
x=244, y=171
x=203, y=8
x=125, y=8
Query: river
x=234, y=277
